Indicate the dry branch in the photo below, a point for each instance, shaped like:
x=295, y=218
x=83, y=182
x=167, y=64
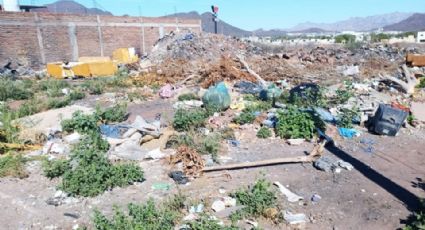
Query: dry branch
x=314, y=154
x=252, y=72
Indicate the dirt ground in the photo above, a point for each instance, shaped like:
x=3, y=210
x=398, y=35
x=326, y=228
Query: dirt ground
x=378, y=194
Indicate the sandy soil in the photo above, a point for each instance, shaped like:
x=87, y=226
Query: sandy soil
x=378, y=194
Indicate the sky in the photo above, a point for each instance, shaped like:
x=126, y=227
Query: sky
x=255, y=14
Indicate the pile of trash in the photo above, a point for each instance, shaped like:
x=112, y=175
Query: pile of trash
x=195, y=47
x=16, y=68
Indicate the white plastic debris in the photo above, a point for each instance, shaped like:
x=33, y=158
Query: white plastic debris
x=295, y=142
x=316, y=198
x=292, y=197
x=229, y=201
x=187, y=104
x=294, y=218
x=218, y=206
x=72, y=138
x=197, y=209
x=66, y=91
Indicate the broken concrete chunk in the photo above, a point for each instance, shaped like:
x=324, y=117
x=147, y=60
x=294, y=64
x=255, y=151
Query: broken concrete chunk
x=142, y=125
x=129, y=132
x=294, y=218
x=129, y=150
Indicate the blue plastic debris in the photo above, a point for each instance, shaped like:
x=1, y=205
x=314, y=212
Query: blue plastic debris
x=111, y=131
x=234, y=143
x=348, y=133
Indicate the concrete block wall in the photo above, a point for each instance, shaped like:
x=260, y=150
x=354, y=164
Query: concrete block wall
x=39, y=38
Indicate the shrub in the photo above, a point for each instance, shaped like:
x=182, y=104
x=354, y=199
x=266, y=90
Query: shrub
x=345, y=38
x=80, y=122
x=185, y=119
x=264, y=133
x=94, y=86
x=188, y=97
x=245, y=117
x=416, y=220
x=343, y=95
x=53, y=87
x=9, y=132
x=52, y=84
x=345, y=118
x=91, y=173
x=256, y=199
x=203, y=144
x=421, y=82
x=13, y=165
x=14, y=90
x=205, y=222
x=310, y=97
x=55, y=168
x=55, y=103
x=293, y=123
x=116, y=113
x=76, y=95
x=30, y=107
x=144, y=217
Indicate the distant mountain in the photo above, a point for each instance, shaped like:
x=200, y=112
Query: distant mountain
x=312, y=30
x=72, y=7
x=208, y=24
x=415, y=22
x=356, y=23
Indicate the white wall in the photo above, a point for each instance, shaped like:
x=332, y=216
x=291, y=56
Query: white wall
x=421, y=37
x=11, y=5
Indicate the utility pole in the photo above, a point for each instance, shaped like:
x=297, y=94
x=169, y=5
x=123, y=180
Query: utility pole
x=215, y=17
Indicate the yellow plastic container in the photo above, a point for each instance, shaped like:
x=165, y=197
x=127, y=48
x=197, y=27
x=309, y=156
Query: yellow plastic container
x=125, y=55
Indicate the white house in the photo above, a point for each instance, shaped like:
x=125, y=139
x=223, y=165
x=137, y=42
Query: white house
x=421, y=37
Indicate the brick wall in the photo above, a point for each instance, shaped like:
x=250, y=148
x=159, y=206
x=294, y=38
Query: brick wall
x=38, y=38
